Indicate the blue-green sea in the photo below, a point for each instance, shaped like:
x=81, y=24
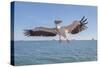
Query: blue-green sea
x=50, y=52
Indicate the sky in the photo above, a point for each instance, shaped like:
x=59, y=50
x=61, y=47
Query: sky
x=29, y=15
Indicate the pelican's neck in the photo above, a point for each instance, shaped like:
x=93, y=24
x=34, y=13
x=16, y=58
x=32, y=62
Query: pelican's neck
x=58, y=26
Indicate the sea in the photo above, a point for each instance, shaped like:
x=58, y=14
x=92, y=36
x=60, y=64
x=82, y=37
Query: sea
x=50, y=52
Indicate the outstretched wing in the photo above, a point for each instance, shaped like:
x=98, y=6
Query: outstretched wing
x=41, y=31
x=77, y=26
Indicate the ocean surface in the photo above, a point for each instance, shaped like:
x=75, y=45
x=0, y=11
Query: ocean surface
x=50, y=52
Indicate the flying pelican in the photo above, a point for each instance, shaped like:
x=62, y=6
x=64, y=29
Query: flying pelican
x=74, y=28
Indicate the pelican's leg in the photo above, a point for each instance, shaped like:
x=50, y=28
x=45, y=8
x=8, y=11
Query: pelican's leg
x=66, y=39
x=60, y=38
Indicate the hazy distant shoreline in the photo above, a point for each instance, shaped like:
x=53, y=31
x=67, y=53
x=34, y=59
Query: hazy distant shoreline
x=53, y=40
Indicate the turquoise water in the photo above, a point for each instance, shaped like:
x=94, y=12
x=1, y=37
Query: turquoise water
x=48, y=52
